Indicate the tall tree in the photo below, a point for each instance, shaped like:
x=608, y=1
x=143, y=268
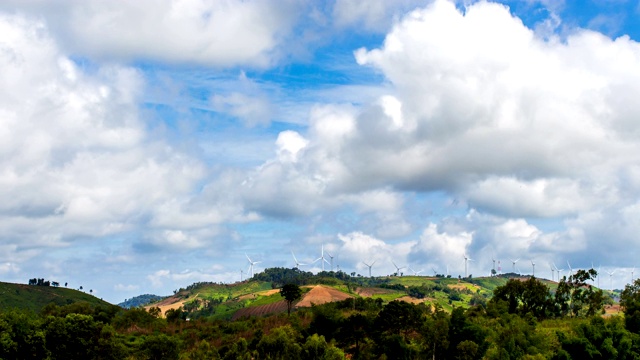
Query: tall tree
x=630, y=303
x=291, y=293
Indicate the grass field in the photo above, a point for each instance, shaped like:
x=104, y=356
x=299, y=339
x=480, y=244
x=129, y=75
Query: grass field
x=31, y=297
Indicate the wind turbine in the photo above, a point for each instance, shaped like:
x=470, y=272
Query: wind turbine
x=552, y=271
x=397, y=268
x=611, y=279
x=570, y=269
x=322, y=258
x=534, y=268
x=514, y=265
x=331, y=257
x=241, y=272
x=466, y=258
x=415, y=273
x=435, y=273
x=369, y=266
x=251, y=263
x=298, y=264
x=559, y=271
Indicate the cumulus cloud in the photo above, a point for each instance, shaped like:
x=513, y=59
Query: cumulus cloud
x=482, y=108
x=217, y=33
x=77, y=160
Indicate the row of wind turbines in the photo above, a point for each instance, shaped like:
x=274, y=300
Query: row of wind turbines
x=556, y=273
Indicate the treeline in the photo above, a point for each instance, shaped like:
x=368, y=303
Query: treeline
x=43, y=282
x=524, y=320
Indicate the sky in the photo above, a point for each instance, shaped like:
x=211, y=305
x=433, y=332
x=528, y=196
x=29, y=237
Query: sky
x=147, y=145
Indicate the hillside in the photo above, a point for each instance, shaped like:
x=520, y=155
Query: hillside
x=140, y=300
x=34, y=298
x=259, y=296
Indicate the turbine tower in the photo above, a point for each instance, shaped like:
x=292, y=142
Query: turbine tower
x=611, y=279
x=322, y=258
x=552, y=271
x=397, y=269
x=513, y=262
x=331, y=257
x=466, y=258
x=241, y=272
x=369, y=266
x=251, y=264
x=435, y=273
x=533, y=265
x=570, y=269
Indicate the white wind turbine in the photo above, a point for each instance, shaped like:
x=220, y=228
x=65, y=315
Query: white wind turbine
x=397, y=268
x=559, y=271
x=513, y=262
x=570, y=269
x=552, y=271
x=466, y=258
x=435, y=273
x=415, y=273
x=632, y=271
x=369, y=266
x=533, y=265
x=241, y=272
x=298, y=264
x=611, y=279
x=599, y=268
x=251, y=264
x=330, y=257
x=322, y=258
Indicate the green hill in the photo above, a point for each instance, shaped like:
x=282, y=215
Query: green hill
x=34, y=298
x=222, y=301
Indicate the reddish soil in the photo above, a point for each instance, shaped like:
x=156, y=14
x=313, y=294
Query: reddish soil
x=172, y=302
x=610, y=310
x=276, y=307
x=321, y=294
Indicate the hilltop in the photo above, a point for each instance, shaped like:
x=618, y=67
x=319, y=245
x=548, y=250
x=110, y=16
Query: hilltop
x=260, y=295
x=35, y=298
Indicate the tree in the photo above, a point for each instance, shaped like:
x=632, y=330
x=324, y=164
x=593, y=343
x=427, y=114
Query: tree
x=291, y=293
x=630, y=303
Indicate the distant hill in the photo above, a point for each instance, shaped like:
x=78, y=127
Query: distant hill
x=259, y=295
x=140, y=300
x=34, y=298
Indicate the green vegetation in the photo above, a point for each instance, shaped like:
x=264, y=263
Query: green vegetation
x=524, y=319
x=34, y=298
x=140, y=300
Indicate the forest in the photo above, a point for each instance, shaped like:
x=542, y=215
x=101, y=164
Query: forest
x=524, y=319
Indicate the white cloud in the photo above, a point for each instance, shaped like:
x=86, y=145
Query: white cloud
x=217, y=33
x=77, y=161
x=484, y=109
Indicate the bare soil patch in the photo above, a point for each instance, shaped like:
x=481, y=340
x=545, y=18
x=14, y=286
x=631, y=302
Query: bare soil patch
x=260, y=293
x=172, y=302
x=411, y=300
x=321, y=294
x=610, y=310
x=276, y=307
x=368, y=292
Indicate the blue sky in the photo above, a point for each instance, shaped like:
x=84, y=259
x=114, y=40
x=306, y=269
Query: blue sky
x=148, y=145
